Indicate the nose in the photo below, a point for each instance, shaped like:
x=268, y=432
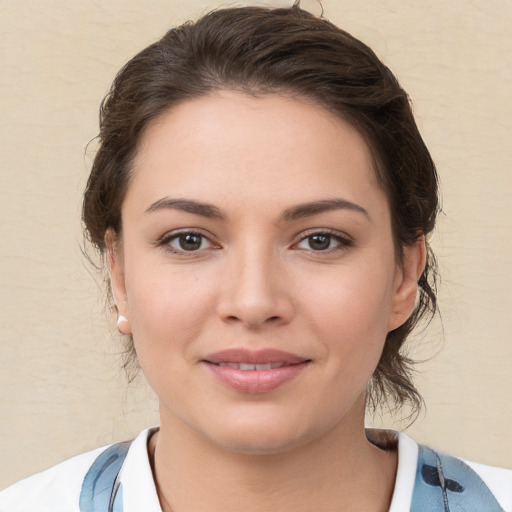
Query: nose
x=256, y=289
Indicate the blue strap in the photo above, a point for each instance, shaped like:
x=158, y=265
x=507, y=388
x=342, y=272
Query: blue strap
x=447, y=484
x=101, y=489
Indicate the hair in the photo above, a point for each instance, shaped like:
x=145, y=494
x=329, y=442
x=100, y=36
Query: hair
x=289, y=51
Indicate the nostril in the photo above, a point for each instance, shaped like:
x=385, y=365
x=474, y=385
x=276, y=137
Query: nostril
x=253, y=323
x=256, y=310
x=233, y=318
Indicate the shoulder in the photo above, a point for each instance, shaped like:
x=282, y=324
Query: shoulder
x=119, y=474
x=54, y=490
x=498, y=481
x=427, y=479
x=463, y=484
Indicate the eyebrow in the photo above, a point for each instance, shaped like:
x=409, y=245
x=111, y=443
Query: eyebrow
x=187, y=205
x=294, y=213
x=309, y=209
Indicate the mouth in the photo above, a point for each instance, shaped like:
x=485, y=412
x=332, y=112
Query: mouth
x=245, y=359
x=252, y=372
x=251, y=366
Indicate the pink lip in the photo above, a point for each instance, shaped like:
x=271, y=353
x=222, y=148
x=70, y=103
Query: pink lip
x=264, y=356
x=255, y=381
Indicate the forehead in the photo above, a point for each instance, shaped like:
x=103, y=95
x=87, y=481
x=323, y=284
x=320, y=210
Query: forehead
x=270, y=145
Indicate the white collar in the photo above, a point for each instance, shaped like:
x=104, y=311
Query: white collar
x=405, y=474
x=139, y=490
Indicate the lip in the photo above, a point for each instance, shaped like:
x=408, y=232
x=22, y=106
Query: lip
x=255, y=381
x=262, y=356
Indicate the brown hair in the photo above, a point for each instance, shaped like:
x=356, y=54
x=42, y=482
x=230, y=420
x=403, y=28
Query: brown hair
x=262, y=50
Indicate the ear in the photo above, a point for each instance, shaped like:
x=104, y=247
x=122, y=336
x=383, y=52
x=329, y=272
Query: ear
x=406, y=283
x=117, y=281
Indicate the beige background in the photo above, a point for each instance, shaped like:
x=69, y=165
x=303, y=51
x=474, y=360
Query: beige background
x=61, y=390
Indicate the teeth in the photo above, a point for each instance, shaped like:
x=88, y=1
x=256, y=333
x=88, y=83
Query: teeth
x=250, y=366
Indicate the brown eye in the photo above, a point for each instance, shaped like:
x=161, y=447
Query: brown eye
x=324, y=242
x=319, y=242
x=188, y=242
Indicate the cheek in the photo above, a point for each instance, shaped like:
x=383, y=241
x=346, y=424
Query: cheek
x=168, y=309
x=359, y=295
x=350, y=314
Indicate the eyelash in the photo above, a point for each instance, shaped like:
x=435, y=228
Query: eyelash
x=165, y=242
x=343, y=242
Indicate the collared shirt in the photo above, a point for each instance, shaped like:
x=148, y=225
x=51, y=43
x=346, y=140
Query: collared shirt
x=425, y=480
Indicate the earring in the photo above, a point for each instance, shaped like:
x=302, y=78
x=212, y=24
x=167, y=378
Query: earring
x=123, y=326
x=121, y=319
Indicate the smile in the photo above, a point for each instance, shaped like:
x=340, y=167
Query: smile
x=250, y=366
x=261, y=371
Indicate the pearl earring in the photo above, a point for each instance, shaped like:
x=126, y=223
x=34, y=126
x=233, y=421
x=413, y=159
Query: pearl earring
x=121, y=319
x=123, y=326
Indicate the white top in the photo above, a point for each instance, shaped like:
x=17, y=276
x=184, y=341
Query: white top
x=58, y=488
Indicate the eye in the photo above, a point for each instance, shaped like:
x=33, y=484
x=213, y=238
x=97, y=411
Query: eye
x=187, y=242
x=323, y=241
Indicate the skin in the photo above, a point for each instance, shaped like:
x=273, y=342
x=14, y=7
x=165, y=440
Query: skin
x=258, y=278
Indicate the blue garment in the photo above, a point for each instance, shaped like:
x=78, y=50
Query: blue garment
x=101, y=489
x=447, y=484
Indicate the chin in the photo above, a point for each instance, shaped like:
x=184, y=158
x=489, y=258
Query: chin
x=260, y=438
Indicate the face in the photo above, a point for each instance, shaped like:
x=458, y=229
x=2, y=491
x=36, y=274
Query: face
x=257, y=270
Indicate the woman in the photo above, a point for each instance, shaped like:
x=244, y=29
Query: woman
x=263, y=201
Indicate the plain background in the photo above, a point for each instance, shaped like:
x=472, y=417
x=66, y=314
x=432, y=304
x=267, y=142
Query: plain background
x=61, y=388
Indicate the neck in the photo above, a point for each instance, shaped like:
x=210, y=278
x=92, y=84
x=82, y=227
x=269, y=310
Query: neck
x=341, y=470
